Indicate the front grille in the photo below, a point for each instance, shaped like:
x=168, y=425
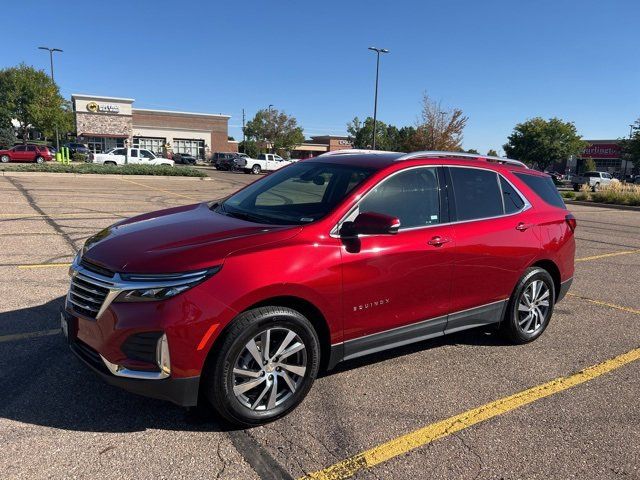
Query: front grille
x=141, y=346
x=86, y=295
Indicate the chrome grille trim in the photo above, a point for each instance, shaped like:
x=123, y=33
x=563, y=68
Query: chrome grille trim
x=91, y=293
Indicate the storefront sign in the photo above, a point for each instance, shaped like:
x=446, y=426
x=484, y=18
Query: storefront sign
x=602, y=150
x=95, y=107
x=344, y=142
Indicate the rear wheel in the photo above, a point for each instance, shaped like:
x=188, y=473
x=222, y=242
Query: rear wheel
x=596, y=187
x=256, y=169
x=110, y=163
x=5, y=159
x=264, y=367
x=530, y=306
x=576, y=188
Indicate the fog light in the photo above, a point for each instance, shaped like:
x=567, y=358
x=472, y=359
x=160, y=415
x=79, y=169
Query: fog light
x=162, y=355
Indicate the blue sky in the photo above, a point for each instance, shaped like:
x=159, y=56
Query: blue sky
x=500, y=61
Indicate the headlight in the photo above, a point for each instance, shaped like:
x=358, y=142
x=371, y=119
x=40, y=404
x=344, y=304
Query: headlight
x=154, y=287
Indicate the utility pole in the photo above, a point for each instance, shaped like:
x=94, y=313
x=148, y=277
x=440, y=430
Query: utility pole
x=51, y=50
x=624, y=175
x=375, y=100
x=243, y=135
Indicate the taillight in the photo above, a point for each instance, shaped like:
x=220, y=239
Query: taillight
x=571, y=221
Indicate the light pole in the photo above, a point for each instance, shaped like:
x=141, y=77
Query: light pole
x=375, y=101
x=624, y=175
x=51, y=50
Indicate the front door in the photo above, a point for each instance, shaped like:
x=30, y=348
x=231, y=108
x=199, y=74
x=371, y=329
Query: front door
x=397, y=288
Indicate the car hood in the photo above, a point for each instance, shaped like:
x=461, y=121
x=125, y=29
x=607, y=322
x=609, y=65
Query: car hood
x=178, y=239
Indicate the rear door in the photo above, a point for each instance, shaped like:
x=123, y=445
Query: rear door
x=31, y=153
x=496, y=239
x=397, y=288
x=133, y=156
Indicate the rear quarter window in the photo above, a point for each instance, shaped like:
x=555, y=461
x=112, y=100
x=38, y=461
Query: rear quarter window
x=544, y=188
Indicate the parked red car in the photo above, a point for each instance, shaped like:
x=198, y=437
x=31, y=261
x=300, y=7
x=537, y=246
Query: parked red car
x=239, y=303
x=26, y=153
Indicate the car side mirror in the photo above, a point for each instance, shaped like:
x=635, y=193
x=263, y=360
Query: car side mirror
x=370, y=223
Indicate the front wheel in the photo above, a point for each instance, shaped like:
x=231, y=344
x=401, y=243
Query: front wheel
x=264, y=367
x=596, y=187
x=530, y=306
x=5, y=159
x=39, y=159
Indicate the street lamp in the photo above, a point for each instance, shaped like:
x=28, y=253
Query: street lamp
x=375, y=101
x=51, y=50
x=624, y=175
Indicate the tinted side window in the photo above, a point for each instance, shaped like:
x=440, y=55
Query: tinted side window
x=412, y=196
x=544, y=188
x=134, y=152
x=31, y=148
x=513, y=202
x=119, y=151
x=476, y=193
x=20, y=149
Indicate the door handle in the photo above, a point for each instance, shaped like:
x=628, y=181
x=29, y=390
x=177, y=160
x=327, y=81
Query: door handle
x=438, y=241
x=523, y=226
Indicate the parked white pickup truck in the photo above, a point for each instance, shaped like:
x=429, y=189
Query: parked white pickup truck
x=265, y=162
x=594, y=180
x=137, y=156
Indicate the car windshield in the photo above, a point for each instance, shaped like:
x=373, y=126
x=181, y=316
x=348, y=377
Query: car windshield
x=295, y=195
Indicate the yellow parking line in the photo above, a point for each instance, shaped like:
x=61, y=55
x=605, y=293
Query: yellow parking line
x=159, y=189
x=406, y=443
x=605, y=255
x=22, y=336
x=43, y=265
x=606, y=304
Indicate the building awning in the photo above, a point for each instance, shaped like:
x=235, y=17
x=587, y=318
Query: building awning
x=101, y=135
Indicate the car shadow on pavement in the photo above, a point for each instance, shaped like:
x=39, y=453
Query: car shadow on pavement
x=43, y=383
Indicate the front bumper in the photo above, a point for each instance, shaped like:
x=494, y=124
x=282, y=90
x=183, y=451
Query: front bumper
x=181, y=391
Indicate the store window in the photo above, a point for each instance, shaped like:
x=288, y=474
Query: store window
x=103, y=144
x=155, y=145
x=191, y=147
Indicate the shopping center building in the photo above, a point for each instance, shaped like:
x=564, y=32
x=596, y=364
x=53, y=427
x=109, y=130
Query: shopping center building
x=103, y=123
x=607, y=155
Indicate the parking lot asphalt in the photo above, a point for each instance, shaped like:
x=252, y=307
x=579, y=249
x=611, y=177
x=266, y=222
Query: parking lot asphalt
x=362, y=420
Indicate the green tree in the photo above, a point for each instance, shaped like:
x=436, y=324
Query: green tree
x=30, y=97
x=473, y=150
x=542, y=142
x=7, y=137
x=250, y=147
x=631, y=146
x=589, y=165
x=275, y=130
x=492, y=153
x=361, y=133
x=439, y=128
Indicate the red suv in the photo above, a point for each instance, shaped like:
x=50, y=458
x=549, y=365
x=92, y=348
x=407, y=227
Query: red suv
x=239, y=303
x=26, y=153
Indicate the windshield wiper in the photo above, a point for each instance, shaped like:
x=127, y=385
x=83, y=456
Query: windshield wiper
x=242, y=215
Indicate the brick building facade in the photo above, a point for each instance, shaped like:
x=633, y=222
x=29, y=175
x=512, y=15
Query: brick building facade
x=109, y=122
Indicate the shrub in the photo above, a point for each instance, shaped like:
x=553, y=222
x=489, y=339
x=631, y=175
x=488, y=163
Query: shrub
x=618, y=193
x=83, y=168
x=569, y=195
x=79, y=157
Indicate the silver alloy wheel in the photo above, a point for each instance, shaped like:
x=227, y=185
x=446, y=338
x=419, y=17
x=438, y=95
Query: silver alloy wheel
x=263, y=380
x=255, y=169
x=39, y=160
x=533, y=306
x=5, y=158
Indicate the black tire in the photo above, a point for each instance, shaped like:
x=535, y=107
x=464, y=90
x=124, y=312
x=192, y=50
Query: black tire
x=39, y=159
x=513, y=325
x=576, y=188
x=110, y=163
x=596, y=187
x=5, y=159
x=256, y=169
x=219, y=378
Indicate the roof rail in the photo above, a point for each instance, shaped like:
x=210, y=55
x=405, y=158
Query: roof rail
x=346, y=151
x=474, y=156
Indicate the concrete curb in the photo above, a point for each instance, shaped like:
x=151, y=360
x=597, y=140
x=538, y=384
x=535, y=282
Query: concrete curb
x=602, y=205
x=8, y=173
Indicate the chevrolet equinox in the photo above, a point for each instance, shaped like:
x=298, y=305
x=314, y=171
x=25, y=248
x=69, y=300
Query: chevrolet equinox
x=237, y=304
